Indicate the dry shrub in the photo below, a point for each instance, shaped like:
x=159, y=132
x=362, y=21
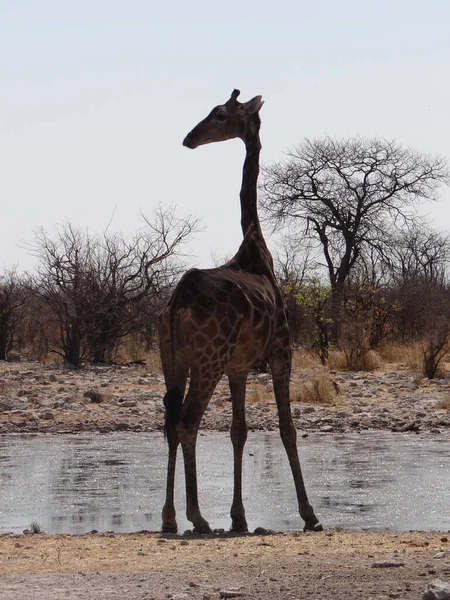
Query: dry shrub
x=319, y=390
x=337, y=361
x=258, y=393
x=354, y=343
x=304, y=359
x=434, y=350
x=366, y=361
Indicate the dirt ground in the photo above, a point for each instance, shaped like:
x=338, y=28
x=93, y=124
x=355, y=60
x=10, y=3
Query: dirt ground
x=333, y=564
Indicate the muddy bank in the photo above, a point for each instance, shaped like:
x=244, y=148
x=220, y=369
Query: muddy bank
x=35, y=398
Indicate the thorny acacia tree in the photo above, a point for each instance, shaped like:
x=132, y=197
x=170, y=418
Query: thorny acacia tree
x=94, y=284
x=347, y=194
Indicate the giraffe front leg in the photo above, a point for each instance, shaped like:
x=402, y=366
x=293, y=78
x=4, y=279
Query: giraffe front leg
x=280, y=364
x=238, y=437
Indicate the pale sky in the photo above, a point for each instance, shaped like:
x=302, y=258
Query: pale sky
x=96, y=97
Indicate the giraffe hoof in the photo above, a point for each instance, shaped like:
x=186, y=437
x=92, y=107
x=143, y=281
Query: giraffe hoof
x=237, y=529
x=313, y=527
x=202, y=530
x=169, y=529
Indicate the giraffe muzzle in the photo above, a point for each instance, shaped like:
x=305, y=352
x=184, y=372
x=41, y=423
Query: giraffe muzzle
x=189, y=141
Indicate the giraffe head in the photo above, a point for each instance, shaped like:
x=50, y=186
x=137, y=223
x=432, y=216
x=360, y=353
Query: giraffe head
x=227, y=121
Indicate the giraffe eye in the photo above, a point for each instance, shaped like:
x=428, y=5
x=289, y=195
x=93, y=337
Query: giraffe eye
x=221, y=117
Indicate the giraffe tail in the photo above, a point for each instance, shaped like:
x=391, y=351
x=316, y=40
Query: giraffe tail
x=173, y=398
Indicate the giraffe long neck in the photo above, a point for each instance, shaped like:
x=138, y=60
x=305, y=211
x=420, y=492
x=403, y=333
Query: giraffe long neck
x=248, y=194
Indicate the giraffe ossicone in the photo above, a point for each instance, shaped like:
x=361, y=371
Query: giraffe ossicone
x=226, y=320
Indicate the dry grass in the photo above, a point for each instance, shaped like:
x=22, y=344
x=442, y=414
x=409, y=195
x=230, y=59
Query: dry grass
x=318, y=390
x=394, y=352
x=153, y=360
x=337, y=361
x=445, y=404
x=368, y=360
x=303, y=359
x=258, y=393
x=131, y=351
x=411, y=355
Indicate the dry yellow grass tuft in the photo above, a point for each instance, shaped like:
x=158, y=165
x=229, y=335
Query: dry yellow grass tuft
x=303, y=359
x=368, y=360
x=318, y=390
x=258, y=393
x=394, y=352
x=337, y=361
x=153, y=360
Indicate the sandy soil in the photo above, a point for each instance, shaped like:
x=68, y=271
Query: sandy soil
x=334, y=564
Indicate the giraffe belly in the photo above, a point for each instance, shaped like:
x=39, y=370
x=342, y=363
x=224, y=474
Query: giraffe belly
x=251, y=347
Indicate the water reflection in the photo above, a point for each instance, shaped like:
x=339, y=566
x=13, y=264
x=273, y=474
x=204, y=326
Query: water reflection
x=116, y=482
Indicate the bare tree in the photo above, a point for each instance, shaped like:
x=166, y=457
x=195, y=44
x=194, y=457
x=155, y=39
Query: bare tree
x=125, y=274
x=420, y=253
x=94, y=284
x=305, y=294
x=12, y=297
x=346, y=194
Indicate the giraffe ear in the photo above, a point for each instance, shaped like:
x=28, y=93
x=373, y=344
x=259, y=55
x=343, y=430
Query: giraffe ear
x=253, y=105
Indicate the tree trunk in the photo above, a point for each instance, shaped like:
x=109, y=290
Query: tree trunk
x=3, y=339
x=337, y=298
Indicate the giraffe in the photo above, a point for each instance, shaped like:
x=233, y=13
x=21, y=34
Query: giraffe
x=225, y=320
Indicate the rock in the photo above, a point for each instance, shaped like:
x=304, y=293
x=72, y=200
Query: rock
x=47, y=415
x=94, y=396
x=9, y=404
x=326, y=429
x=127, y=403
x=263, y=531
x=121, y=426
x=387, y=564
x=437, y=590
x=231, y=593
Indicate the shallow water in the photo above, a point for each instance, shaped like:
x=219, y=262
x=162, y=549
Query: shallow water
x=76, y=483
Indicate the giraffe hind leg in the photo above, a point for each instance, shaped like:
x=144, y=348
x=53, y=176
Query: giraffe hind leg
x=238, y=437
x=173, y=402
x=280, y=365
